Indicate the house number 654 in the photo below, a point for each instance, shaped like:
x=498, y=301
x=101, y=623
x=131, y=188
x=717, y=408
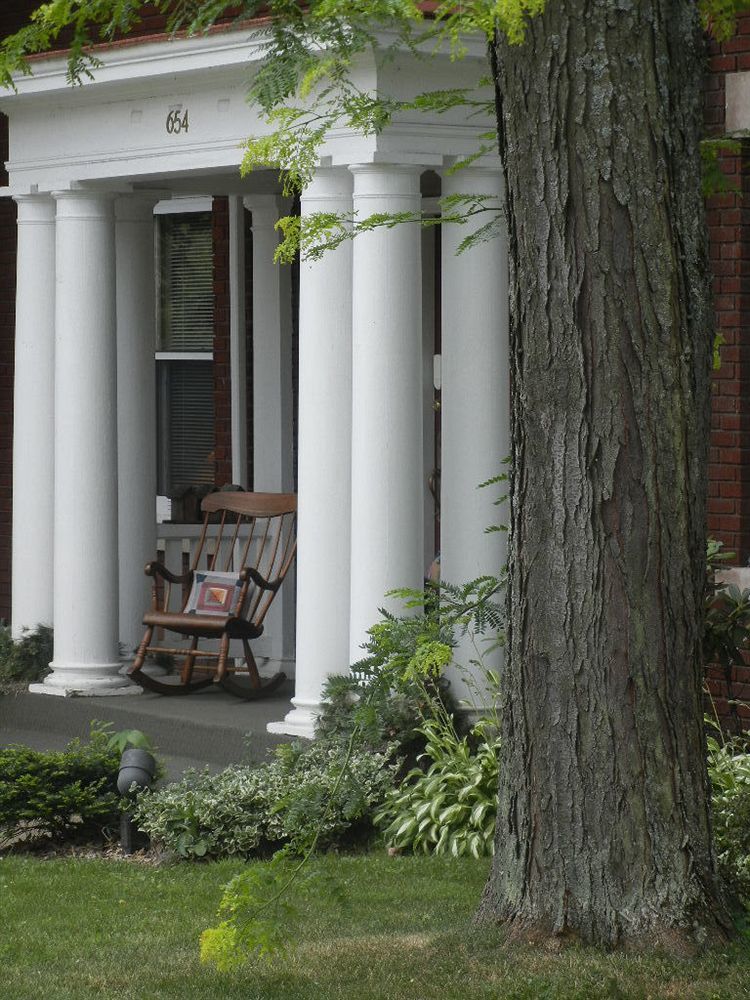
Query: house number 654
x=177, y=122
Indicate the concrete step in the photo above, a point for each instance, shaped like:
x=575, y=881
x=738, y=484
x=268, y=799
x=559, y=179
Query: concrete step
x=210, y=727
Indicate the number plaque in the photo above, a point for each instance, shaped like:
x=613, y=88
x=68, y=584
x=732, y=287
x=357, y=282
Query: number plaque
x=177, y=122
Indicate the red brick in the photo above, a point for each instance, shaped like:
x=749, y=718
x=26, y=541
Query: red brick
x=729, y=422
x=729, y=522
x=721, y=439
x=731, y=284
x=729, y=489
x=720, y=505
x=729, y=251
x=723, y=233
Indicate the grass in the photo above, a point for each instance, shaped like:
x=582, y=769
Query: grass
x=117, y=929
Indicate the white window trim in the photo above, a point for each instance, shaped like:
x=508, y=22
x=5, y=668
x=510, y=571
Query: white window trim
x=179, y=206
x=184, y=355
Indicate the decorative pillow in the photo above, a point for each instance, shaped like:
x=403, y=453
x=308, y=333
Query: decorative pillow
x=213, y=593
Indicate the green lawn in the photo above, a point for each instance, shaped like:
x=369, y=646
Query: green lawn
x=80, y=929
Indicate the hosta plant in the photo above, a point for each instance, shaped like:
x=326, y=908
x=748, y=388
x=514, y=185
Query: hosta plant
x=450, y=808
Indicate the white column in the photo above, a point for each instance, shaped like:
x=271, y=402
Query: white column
x=475, y=411
x=387, y=513
x=273, y=470
x=86, y=659
x=237, y=352
x=33, y=415
x=324, y=461
x=273, y=454
x=136, y=410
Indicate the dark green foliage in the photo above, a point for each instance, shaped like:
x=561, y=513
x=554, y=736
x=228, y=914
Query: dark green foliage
x=398, y=684
x=392, y=717
x=727, y=622
x=27, y=660
x=66, y=795
x=729, y=771
x=413, y=649
x=125, y=739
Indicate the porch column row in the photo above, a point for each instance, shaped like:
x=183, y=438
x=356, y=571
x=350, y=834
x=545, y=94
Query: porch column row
x=66, y=558
x=360, y=430
x=360, y=417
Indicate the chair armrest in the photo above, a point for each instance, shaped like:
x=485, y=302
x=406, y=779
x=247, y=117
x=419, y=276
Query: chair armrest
x=248, y=573
x=155, y=569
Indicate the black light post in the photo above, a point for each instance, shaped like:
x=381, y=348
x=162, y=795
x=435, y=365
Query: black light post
x=137, y=768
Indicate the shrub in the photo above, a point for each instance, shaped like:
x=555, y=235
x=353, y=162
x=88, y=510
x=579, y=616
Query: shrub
x=66, y=795
x=247, y=810
x=26, y=660
x=726, y=634
x=392, y=717
x=729, y=770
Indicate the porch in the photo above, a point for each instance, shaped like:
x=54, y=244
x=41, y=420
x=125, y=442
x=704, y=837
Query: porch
x=90, y=168
x=210, y=728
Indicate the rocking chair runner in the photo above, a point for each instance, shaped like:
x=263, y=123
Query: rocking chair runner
x=235, y=574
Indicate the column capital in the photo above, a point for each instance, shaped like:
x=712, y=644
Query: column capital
x=385, y=180
x=266, y=209
x=473, y=180
x=329, y=185
x=84, y=205
x=381, y=167
x=35, y=208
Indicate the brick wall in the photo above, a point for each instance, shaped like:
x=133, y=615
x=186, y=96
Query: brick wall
x=728, y=218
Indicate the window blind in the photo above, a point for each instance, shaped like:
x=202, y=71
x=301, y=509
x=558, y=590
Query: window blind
x=189, y=460
x=186, y=294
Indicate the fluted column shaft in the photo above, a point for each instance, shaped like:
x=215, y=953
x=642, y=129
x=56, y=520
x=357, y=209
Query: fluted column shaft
x=33, y=416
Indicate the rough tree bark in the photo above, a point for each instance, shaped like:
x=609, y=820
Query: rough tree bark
x=603, y=828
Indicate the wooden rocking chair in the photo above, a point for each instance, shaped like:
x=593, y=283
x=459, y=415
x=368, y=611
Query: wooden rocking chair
x=247, y=544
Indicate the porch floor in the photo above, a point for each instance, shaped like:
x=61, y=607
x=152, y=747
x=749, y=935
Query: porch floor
x=210, y=727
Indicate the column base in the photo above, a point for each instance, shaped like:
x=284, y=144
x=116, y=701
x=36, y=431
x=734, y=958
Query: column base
x=73, y=682
x=299, y=722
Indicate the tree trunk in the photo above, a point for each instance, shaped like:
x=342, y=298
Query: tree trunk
x=603, y=829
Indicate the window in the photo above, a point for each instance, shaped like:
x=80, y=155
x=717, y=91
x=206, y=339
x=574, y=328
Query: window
x=184, y=352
